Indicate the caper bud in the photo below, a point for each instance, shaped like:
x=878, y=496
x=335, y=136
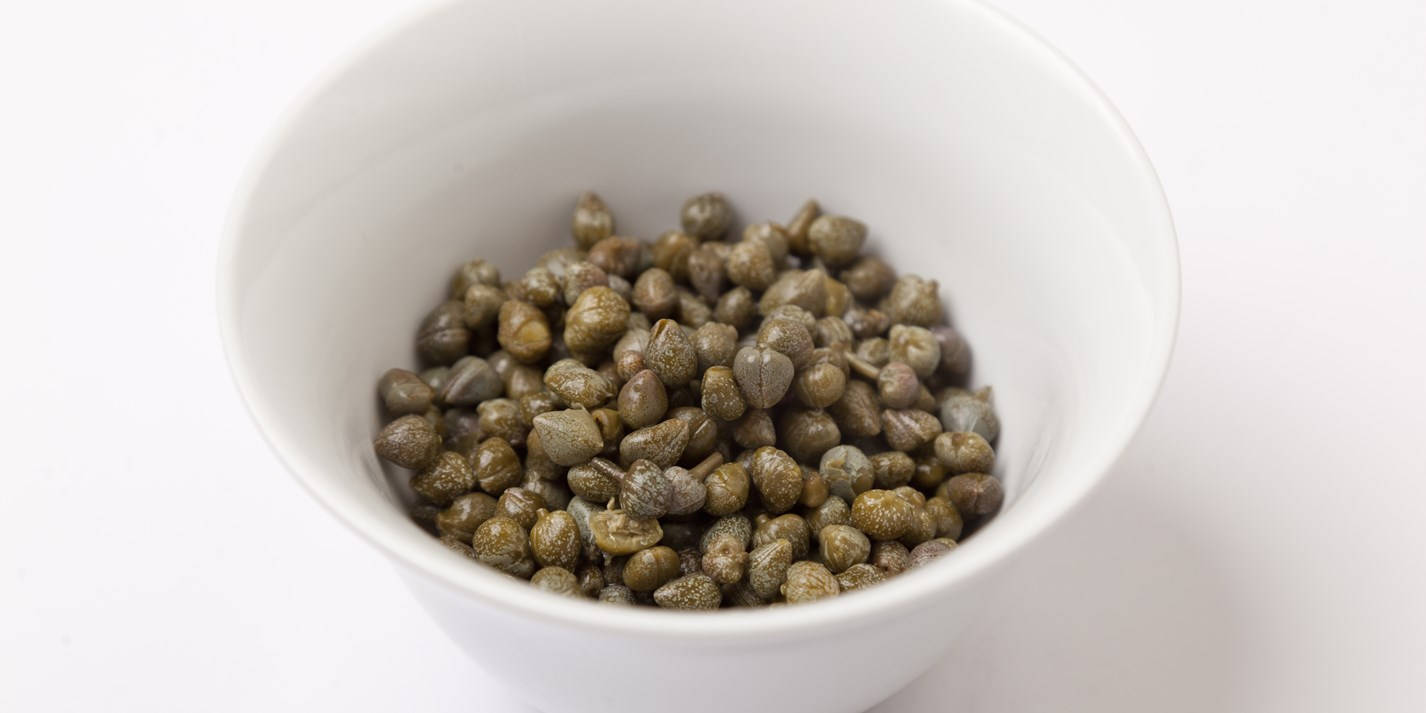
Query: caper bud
x=592, y=221
x=750, y=265
x=735, y=307
x=693, y=591
x=596, y=319
x=754, y=429
x=767, y=567
x=808, y=434
x=579, y=277
x=947, y=518
x=475, y=272
x=554, y=538
x=569, y=436
x=927, y=551
x=501, y=543
x=913, y=300
x=881, y=514
x=892, y=469
x=442, y=337
x=649, y=568
x=410, y=442
x=843, y=546
x=663, y=443
x=897, y=385
x=806, y=289
x=654, y=293
x=520, y=505
x=916, y=347
x=495, y=465
x=798, y=227
x=524, y=332
x=833, y=333
x=402, y=392
x=964, y=411
x=629, y=353
x=616, y=594
x=975, y=494
x=832, y=511
x=501, y=418
x=706, y=216
x=727, y=489
x=867, y=323
x=857, y=412
x=619, y=533
x=859, y=576
x=836, y=239
x=808, y=581
x=721, y=397
x=890, y=556
x=847, y=470
x=777, y=477
x=868, y=278
x=955, y=351
x=763, y=375
x=445, y=479
x=909, y=429
x=705, y=269
x=577, y=384
x=471, y=381
x=964, y=452
x=617, y=255
x=788, y=527
x=465, y=514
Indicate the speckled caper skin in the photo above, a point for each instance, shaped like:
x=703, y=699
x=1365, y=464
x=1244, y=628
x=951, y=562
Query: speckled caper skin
x=975, y=494
x=523, y=331
x=832, y=511
x=755, y=429
x=465, y=513
x=410, y=442
x=837, y=240
x=965, y=411
x=922, y=527
x=867, y=323
x=805, y=289
x=750, y=265
x=521, y=505
x=727, y=489
x=843, y=546
x=882, y=514
x=446, y=478
x=721, y=397
x=788, y=526
x=403, y=392
x=814, y=488
x=807, y=434
x=501, y=418
x=767, y=568
x=706, y=216
x=670, y=354
x=777, y=478
x=595, y=481
x=596, y=320
x=673, y=252
x=475, y=272
x=822, y=382
x=859, y=576
x=569, y=436
x=809, y=581
x=913, y=300
x=663, y=443
x=763, y=375
x=788, y=337
x=897, y=385
x=643, y=400
x=706, y=273
x=858, y=411
x=442, y=337
x=693, y=591
x=577, y=384
x=928, y=551
x=501, y=543
x=616, y=532
x=964, y=452
x=909, y=429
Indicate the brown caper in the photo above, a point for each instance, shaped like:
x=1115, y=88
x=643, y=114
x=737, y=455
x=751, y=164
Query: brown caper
x=569, y=436
x=735, y=307
x=465, y=514
x=402, y=392
x=410, y=442
x=807, y=434
x=975, y=494
x=823, y=381
x=798, y=226
x=763, y=375
x=836, y=239
x=715, y=344
x=686, y=493
x=868, y=278
x=788, y=526
x=501, y=418
x=693, y=591
x=909, y=429
x=727, y=489
x=806, y=289
x=858, y=411
x=534, y=404
x=628, y=353
x=644, y=490
x=750, y=265
x=890, y=556
x=592, y=220
x=444, y=480
x=843, y=546
x=596, y=481
x=705, y=269
x=596, y=319
x=618, y=533
x=772, y=235
x=471, y=381
x=725, y=561
x=892, y=469
x=814, y=488
x=948, y=519
x=955, y=351
x=833, y=333
x=643, y=400
x=808, y=581
x=520, y=505
x=702, y=433
x=495, y=465
x=501, y=543
x=839, y=298
x=591, y=579
x=482, y=305
x=475, y=272
x=522, y=380
x=617, y=255
x=663, y=443
x=928, y=551
x=767, y=567
x=859, y=576
x=579, y=277
x=577, y=384
x=929, y=472
x=832, y=511
x=897, y=385
x=964, y=453
x=706, y=216
x=524, y=332
x=721, y=397
x=777, y=477
x=670, y=354
x=881, y=514
x=442, y=337
x=737, y=527
x=673, y=253
x=554, y=538
x=654, y=293
x=913, y=300
x=649, y=568
x=754, y=429
x=916, y=347
x=539, y=287
x=922, y=528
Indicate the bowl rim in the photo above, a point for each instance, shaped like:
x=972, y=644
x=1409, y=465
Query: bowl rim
x=455, y=575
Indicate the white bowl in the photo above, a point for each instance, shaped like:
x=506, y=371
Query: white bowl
x=976, y=154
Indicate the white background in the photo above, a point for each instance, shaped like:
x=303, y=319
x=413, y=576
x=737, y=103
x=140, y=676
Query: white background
x=1259, y=548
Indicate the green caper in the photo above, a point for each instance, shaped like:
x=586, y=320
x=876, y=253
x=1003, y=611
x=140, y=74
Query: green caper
x=843, y=546
x=444, y=480
x=947, y=518
x=964, y=452
x=442, y=337
x=897, y=385
x=777, y=477
x=721, y=397
x=808, y=581
x=727, y=489
x=654, y=293
x=913, y=300
x=644, y=490
x=596, y=319
x=520, y=505
x=403, y=392
x=909, y=429
x=787, y=336
x=750, y=265
x=735, y=307
x=763, y=375
x=616, y=594
x=892, y=469
x=556, y=580
x=807, y=434
x=579, y=277
x=618, y=533
x=832, y=511
x=836, y=239
x=539, y=287
x=570, y=436
x=457, y=545
x=736, y=527
x=596, y=481
x=788, y=526
x=815, y=490
x=798, y=226
x=706, y=216
x=975, y=494
x=410, y=442
x=670, y=354
x=495, y=465
x=823, y=381
x=867, y=323
x=663, y=443
x=965, y=411
x=524, y=332
x=754, y=429
x=833, y=333
x=592, y=220
x=868, y=278
x=649, y=568
x=465, y=514
x=859, y=576
x=767, y=567
x=916, y=347
x=617, y=255
x=501, y=543
x=501, y=418
x=715, y=344
x=693, y=591
x=577, y=384
x=471, y=381
x=628, y=353
x=881, y=514
x=806, y=289
x=858, y=411
x=923, y=526
x=725, y=560
x=643, y=400
x=475, y=272
x=955, y=351
x=847, y=470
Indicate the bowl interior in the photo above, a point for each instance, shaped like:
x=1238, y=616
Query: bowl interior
x=976, y=156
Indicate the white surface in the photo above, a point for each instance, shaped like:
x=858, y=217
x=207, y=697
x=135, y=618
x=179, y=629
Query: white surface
x=1050, y=234
x=1258, y=549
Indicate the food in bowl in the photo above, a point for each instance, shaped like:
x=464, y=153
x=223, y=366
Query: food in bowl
x=698, y=422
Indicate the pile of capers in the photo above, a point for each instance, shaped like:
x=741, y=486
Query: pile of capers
x=706, y=420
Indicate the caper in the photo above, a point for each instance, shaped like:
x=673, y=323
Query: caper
x=897, y=385
x=495, y=465
x=721, y=397
x=727, y=489
x=777, y=478
x=807, y=434
x=649, y=568
x=706, y=216
x=616, y=594
x=556, y=580
x=947, y=518
x=881, y=514
x=654, y=293
x=592, y=220
x=442, y=337
x=763, y=375
x=798, y=227
x=475, y=272
x=858, y=411
x=736, y=527
x=808, y=581
x=965, y=411
x=554, y=538
x=955, y=351
x=579, y=277
x=670, y=354
x=524, y=331
x=928, y=551
x=410, y=442
x=847, y=470
x=457, y=545
x=913, y=300
x=471, y=381
x=441, y=482
x=617, y=255
x=693, y=591
x=402, y=392
x=735, y=307
x=814, y=488
x=922, y=528
x=964, y=452
x=569, y=436
x=859, y=576
x=754, y=429
x=619, y=533
x=836, y=239
x=596, y=319
x=577, y=384
x=975, y=494
x=823, y=381
x=692, y=311
x=788, y=526
x=663, y=443
x=628, y=353
x=890, y=556
x=520, y=505
x=843, y=546
x=465, y=514
x=832, y=511
x=909, y=429
x=867, y=323
x=892, y=469
x=750, y=264
x=767, y=567
x=833, y=333
x=725, y=560
x=523, y=380
x=501, y=543
x=868, y=278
